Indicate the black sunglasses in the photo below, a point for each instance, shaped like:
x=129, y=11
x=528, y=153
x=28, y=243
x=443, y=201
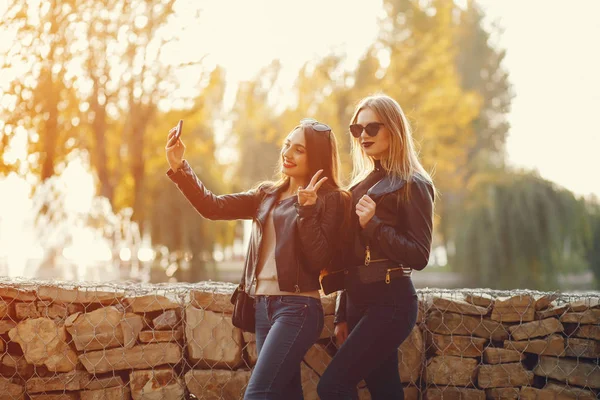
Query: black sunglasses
x=316, y=125
x=371, y=128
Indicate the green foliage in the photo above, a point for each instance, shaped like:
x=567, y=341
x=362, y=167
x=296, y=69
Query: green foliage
x=258, y=129
x=481, y=70
x=517, y=232
x=592, y=246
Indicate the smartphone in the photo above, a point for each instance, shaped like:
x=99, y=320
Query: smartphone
x=179, y=129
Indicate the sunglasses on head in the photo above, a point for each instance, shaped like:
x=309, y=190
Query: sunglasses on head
x=316, y=125
x=372, y=129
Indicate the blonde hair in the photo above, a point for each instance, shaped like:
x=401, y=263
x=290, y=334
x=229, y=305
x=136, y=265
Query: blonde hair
x=402, y=160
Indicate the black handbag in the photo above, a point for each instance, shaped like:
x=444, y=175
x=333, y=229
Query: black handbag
x=243, y=310
x=334, y=281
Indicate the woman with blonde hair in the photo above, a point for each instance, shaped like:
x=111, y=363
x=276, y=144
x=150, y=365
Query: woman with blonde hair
x=393, y=198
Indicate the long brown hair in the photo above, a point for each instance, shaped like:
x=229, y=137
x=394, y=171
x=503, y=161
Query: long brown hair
x=321, y=153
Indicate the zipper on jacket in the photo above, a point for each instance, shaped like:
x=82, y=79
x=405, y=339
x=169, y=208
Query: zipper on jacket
x=368, y=259
x=297, y=278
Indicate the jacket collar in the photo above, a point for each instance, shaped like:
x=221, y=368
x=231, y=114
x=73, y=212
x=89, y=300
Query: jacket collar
x=385, y=185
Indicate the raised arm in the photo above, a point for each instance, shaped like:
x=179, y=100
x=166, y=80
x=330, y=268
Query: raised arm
x=232, y=206
x=226, y=207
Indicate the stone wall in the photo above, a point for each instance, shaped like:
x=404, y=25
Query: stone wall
x=61, y=341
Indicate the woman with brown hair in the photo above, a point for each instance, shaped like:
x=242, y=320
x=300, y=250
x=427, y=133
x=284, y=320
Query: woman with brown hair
x=296, y=221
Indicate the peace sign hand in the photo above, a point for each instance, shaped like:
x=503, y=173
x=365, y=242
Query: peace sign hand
x=308, y=196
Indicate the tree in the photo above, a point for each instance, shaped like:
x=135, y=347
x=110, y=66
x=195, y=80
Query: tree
x=480, y=68
x=91, y=74
x=144, y=84
x=101, y=102
x=257, y=128
x=173, y=221
x=592, y=246
x=127, y=76
x=42, y=99
x=324, y=92
x=519, y=230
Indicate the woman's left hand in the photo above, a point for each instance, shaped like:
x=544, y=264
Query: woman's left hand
x=308, y=196
x=365, y=209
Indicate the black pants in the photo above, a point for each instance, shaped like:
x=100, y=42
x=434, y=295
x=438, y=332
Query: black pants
x=380, y=317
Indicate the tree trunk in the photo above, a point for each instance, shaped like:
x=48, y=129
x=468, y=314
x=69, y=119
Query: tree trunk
x=99, y=130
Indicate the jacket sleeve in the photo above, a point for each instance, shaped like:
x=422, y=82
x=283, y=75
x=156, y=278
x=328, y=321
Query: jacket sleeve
x=340, y=308
x=319, y=229
x=409, y=244
x=210, y=206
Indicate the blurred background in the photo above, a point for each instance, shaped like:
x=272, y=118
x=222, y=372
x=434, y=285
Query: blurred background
x=502, y=96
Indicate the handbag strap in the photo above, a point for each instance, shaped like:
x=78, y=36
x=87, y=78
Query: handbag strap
x=242, y=284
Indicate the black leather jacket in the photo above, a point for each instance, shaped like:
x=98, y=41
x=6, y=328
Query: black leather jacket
x=306, y=235
x=400, y=230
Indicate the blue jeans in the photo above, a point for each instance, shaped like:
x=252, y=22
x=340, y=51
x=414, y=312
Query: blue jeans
x=370, y=352
x=286, y=327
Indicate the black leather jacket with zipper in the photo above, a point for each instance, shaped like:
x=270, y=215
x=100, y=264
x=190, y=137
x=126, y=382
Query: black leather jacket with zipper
x=399, y=232
x=305, y=235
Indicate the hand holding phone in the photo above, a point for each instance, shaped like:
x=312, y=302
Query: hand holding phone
x=174, y=134
x=175, y=148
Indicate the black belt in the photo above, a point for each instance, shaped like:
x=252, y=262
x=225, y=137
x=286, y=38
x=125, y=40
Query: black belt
x=377, y=271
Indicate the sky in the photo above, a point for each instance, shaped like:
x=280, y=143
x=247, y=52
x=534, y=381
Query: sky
x=245, y=36
x=554, y=62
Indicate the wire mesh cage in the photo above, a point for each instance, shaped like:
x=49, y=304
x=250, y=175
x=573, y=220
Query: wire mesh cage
x=65, y=340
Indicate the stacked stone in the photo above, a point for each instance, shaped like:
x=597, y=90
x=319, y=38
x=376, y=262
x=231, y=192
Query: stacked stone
x=219, y=361
x=574, y=373
x=173, y=341
x=480, y=347
x=72, y=343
